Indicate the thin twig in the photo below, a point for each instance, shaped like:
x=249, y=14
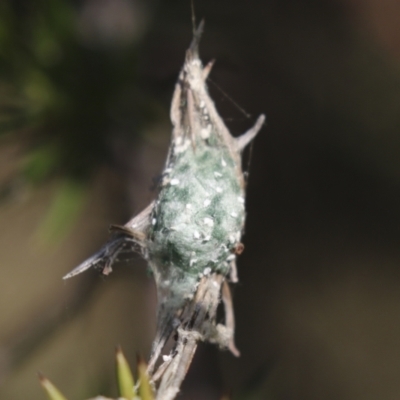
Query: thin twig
x=196, y=320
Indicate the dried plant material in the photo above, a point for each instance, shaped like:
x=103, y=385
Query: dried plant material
x=191, y=234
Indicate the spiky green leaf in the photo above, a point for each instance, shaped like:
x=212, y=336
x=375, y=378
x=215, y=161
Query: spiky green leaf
x=124, y=376
x=52, y=392
x=145, y=390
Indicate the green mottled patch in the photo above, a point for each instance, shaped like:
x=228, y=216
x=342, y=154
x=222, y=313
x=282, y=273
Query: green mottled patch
x=198, y=216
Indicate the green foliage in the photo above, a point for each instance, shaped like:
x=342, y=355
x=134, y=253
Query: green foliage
x=126, y=388
x=63, y=101
x=64, y=208
x=52, y=392
x=124, y=376
x=39, y=163
x=145, y=390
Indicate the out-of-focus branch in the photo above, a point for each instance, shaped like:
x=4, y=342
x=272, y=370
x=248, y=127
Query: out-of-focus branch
x=45, y=322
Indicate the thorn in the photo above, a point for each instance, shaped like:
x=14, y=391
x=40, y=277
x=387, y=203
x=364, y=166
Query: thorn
x=207, y=69
x=90, y=262
x=140, y=359
x=126, y=230
x=192, y=119
x=193, y=51
x=41, y=376
x=175, y=112
x=233, y=275
x=229, y=317
x=247, y=137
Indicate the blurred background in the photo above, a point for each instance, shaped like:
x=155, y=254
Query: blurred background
x=85, y=87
